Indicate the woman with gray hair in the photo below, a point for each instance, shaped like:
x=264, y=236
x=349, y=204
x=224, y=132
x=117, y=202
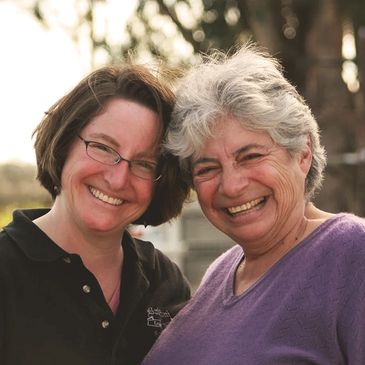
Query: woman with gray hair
x=292, y=291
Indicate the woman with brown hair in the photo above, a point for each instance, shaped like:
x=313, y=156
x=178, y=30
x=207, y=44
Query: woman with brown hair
x=75, y=287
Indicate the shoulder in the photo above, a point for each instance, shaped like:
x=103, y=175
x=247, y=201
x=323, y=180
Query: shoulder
x=12, y=262
x=153, y=259
x=158, y=266
x=345, y=227
x=223, y=263
x=7, y=247
x=350, y=220
x=338, y=247
x=21, y=229
x=167, y=283
x=340, y=237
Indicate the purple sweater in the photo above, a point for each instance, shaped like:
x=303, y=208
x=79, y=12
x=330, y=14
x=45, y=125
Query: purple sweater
x=309, y=308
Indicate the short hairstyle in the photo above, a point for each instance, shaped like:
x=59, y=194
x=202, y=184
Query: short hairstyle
x=70, y=114
x=248, y=85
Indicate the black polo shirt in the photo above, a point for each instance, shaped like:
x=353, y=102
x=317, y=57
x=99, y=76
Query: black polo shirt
x=52, y=309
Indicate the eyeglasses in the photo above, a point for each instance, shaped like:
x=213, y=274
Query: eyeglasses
x=106, y=155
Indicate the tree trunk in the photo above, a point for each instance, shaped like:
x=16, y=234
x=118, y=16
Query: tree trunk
x=331, y=103
x=261, y=20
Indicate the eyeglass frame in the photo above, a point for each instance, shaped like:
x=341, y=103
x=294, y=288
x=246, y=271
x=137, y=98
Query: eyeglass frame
x=119, y=159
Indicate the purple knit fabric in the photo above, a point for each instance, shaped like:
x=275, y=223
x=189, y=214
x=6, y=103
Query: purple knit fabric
x=309, y=308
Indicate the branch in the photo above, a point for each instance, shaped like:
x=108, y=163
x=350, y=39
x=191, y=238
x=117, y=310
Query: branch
x=186, y=33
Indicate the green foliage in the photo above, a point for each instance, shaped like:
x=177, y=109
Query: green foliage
x=6, y=212
x=18, y=184
x=19, y=189
x=5, y=216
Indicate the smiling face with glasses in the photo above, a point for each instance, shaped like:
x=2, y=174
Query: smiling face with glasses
x=103, y=190
x=107, y=155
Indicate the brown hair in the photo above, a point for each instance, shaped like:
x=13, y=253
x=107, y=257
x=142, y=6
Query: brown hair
x=69, y=115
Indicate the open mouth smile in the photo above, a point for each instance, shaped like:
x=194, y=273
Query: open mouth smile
x=105, y=198
x=245, y=208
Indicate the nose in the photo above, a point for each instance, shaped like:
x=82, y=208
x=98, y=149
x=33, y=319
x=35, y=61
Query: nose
x=118, y=175
x=233, y=181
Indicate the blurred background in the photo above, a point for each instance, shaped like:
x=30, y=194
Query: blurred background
x=49, y=45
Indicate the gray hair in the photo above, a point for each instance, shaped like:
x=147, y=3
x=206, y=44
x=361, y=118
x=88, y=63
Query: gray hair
x=249, y=86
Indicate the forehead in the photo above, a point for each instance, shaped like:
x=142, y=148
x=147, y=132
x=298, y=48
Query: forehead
x=229, y=135
x=126, y=122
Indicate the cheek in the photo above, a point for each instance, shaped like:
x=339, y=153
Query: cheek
x=145, y=192
x=77, y=173
x=287, y=187
x=205, y=193
x=73, y=170
x=280, y=172
x=277, y=177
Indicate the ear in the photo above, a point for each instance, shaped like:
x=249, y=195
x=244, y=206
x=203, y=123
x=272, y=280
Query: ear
x=305, y=157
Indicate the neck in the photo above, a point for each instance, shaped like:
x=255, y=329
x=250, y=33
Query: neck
x=98, y=251
x=277, y=242
x=102, y=254
x=254, y=266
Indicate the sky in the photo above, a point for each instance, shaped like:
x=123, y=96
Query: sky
x=37, y=67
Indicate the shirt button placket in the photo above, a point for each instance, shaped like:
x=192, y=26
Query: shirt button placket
x=87, y=289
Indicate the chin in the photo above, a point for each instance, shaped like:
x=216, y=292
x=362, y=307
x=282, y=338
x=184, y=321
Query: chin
x=100, y=225
x=244, y=234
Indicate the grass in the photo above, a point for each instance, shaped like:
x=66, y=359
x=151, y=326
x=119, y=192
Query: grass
x=6, y=212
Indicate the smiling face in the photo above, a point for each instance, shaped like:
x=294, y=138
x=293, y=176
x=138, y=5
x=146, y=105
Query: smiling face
x=249, y=187
x=105, y=198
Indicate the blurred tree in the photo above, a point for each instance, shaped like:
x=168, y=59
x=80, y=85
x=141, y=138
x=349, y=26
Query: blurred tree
x=19, y=189
x=18, y=186
x=306, y=35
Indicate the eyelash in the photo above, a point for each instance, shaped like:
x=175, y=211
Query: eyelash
x=204, y=170
x=250, y=156
x=100, y=147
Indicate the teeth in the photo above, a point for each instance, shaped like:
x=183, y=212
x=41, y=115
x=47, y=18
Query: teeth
x=246, y=206
x=105, y=198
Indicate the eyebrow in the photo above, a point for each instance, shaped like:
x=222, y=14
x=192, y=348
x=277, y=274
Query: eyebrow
x=106, y=138
x=205, y=159
x=247, y=148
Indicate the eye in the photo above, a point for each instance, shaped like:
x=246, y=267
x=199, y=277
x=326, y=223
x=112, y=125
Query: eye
x=252, y=156
x=100, y=147
x=249, y=157
x=206, y=171
x=145, y=165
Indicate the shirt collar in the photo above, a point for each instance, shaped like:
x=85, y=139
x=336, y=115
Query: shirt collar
x=34, y=243
x=141, y=251
x=37, y=246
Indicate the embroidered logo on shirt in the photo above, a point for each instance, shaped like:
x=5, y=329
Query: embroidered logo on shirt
x=158, y=318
